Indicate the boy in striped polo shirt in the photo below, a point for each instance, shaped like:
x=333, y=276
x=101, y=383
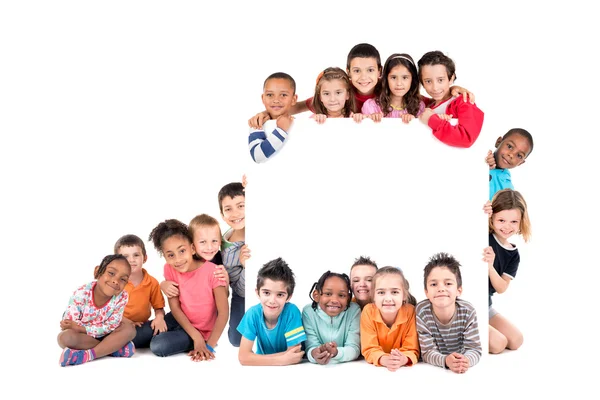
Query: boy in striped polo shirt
x=447, y=326
x=275, y=324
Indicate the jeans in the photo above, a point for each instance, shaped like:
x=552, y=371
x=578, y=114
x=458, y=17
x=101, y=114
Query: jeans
x=238, y=306
x=174, y=341
x=143, y=335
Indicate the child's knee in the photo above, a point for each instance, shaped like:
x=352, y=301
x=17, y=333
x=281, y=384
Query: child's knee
x=498, y=343
x=515, y=341
x=66, y=339
x=158, y=347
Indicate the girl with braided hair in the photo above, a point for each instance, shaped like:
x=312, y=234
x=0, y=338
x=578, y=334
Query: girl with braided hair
x=332, y=321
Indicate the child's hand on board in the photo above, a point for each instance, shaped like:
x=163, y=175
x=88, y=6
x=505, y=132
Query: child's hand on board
x=320, y=118
x=406, y=118
x=292, y=355
x=376, y=117
x=169, y=288
x=425, y=115
x=285, y=122
x=489, y=256
x=487, y=208
x=359, y=117
x=490, y=159
x=258, y=120
x=244, y=254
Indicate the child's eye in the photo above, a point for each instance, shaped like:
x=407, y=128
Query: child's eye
x=432, y=284
x=280, y=294
x=111, y=273
x=370, y=70
x=242, y=206
x=520, y=156
x=123, y=280
x=395, y=292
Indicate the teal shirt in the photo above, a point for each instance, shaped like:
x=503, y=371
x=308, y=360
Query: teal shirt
x=499, y=179
x=343, y=329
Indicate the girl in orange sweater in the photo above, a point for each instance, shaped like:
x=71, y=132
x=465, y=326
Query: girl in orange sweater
x=388, y=328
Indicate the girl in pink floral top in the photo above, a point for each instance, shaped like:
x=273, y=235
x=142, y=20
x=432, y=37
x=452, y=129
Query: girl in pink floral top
x=91, y=325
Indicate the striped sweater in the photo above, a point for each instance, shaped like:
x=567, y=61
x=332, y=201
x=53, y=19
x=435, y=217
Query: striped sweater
x=265, y=143
x=460, y=335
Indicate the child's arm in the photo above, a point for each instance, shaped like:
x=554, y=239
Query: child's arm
x=157, y=301
x=263, y=146
x=221, y=295
x=351, y=349
x=410, y=342
x=471, y=342
x=369, y=343
x=257, y=121
x=312, y=339
x=293, y=355
x=169, y=288
x=430, y=352
x=464, y=133
x=200, y=351
x=500, y=283
x=456, y=91
x=158, y=324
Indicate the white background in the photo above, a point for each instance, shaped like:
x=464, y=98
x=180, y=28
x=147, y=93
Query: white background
x=117, y=115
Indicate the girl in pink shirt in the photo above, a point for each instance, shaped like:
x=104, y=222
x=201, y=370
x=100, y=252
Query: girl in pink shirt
x=200, y=310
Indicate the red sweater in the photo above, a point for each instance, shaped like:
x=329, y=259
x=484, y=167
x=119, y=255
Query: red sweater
x=466, y=131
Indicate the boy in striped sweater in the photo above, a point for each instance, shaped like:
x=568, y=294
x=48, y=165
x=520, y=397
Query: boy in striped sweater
x=447, y=326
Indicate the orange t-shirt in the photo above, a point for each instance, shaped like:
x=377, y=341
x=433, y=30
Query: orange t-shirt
x=377, y=340
x=141, y=297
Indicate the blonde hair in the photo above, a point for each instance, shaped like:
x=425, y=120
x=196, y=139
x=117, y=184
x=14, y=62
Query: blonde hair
x=508, y=199
x=408, y=298
x=202, y=220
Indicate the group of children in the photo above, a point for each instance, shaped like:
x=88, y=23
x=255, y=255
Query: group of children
x=370, y=313
x=368, y=90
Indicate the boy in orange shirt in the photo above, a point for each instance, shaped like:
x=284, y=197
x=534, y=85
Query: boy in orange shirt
x=144, y=293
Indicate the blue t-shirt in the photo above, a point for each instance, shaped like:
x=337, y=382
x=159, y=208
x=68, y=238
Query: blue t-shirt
x=287, y=333
x=499, y=179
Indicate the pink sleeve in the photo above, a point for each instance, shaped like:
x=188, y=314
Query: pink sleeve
x=466, y=131
x=370, y=107
x=421, y=109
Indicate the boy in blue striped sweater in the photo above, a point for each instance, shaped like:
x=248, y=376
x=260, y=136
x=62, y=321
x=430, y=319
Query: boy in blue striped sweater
x=279, y=95
x=275, y=324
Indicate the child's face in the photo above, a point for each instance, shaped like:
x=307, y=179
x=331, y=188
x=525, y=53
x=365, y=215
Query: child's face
x=207, y=241
x=135, y=256
x=506, y=223
x=399, y=80
x=278, y=97
x=364, y=74
x=442, y=289
x=512, y=151
x=272, y=295
x=234, y=212
x=178, y=253
x=389, y=294
x=334, y=95
x=435, y=81
x=334, y=298
x=361, y=277
x=115, y=277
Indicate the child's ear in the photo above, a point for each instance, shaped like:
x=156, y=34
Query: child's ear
x=294, y=99
x=452, y=79
x=256, y=291
x=288, y=299
x=145, y=259
x=96, y=272
x=498, y=141
x=459, y=291
x=193, y=249
x=315, y=295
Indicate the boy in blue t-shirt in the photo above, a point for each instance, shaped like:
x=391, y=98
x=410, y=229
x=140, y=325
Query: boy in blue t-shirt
x=511, y=151
x=275, y=324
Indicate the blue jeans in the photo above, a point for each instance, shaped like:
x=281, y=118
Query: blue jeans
x=174, y=341
x=143, y=335
x=238, y=306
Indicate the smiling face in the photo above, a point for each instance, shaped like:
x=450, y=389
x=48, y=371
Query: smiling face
x=399, y=80
x=436, y=82
x=207, y=241
x=112, y=281
x=334, y=297
x=179, y=253
x=272, y=295
x=442, y=288
x=234, y=211
x=278, y=97
x=135, y=256
x=506, y=223
x=333, y=95
x=389, y=295
x=361, y=277
x=512, y=151
x=364, y=74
